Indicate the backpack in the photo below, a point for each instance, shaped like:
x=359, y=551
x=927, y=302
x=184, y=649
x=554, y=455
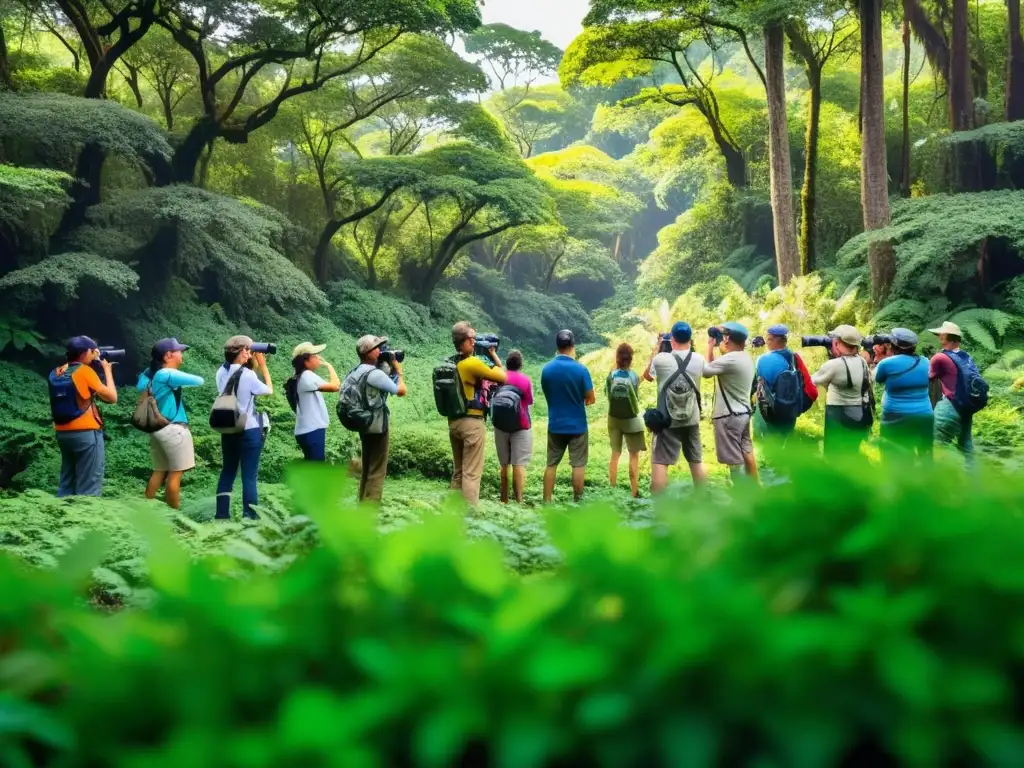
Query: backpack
x=353, y=409
x=147, y=416
x=682, y=396
x=64, y=405
x=623, y=400
x=449, y=396
x=782, y=402
x=291, y=393
x=971, y=393
x=225, y=416
x=507, y=408
x=675, y=403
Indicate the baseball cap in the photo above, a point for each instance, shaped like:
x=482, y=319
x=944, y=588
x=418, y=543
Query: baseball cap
x=238, y=342
x=78, y=344
x=682, y=332
x=308, y=348
x=368, y=343
x=847, y=334
x=164, y=346
x=903, y=337
x=778, y=330
x=565, y=339
x=948, y=328
x=736, y=331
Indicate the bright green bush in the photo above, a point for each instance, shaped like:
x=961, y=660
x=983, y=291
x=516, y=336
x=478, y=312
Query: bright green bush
x=877, y=626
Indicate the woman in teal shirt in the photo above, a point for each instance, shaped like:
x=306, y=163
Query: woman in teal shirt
x=171, y=448
x=907, y=416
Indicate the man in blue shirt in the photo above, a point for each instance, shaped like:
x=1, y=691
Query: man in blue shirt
x=568, y=391
x=777, y=359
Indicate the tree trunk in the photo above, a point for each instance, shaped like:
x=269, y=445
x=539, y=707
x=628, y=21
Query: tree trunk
x=96, y=85
x=551, y=270
x=786, y=252
x=187, y=155
x=905, y=148
x=321, y=257
x=133, y=83
x=204, y=166
x=5, y=63
x=874, y=184
x=735, y=163
x=809, y=193
x=165, y=102
x=85, y=190
x=961, y=102
x=1015, y=66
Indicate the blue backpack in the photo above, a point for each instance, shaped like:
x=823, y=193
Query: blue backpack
x=64, y=396
x=782, y=402
x=971, y=393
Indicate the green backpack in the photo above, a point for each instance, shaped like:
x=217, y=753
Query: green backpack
x=623, y=400
x=449, y=397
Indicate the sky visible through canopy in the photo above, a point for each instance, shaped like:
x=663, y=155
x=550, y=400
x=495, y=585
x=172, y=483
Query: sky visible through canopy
x=558, y=20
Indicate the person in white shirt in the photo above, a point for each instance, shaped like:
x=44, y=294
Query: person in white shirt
x=371, y=374
x=734, y=372
x=849, y=402
x=305, y=394
x=680, y=370
x=243, y=448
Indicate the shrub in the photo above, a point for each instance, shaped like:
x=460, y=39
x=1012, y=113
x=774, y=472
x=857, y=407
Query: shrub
x=883, y=630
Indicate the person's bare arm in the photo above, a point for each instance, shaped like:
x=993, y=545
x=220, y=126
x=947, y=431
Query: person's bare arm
x=107, y=392
x=590, y=398
x=646, y=375
x=261, y=361
x=334, y=385
x=401, y=379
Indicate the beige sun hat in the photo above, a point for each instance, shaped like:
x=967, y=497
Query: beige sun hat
x=948, y=328
x=308, y=348
x=369, y=343
x=848, y=335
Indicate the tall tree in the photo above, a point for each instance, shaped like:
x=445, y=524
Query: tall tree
x=616, y=44
x=961, y=100
x=312, y=44
x=834, y=34
x=547, y=113
x=787, y=257
x=874, y=184
x=167, y=69
x=514, y=58
x=1014, y=64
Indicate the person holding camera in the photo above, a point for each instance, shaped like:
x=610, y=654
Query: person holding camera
x=513, y=429
x=568, y=391
x=171, y=447
x=849, y=402
x=907, y=416
x=677, y=372
x=305, y=391
x=622, y=388
x=734, y=375
x=242, y=449
x=74, y=389
x=467, y=433
x=375, y=382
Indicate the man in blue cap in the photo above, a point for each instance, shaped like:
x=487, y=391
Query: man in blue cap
x=778, y=360
x=734, y=372
x=678, y=374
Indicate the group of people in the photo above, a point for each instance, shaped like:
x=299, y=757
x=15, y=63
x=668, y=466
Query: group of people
x=925, y=401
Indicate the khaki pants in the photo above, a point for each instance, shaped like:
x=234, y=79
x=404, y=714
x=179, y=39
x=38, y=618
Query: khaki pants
x=375, y=466
x=467, y=436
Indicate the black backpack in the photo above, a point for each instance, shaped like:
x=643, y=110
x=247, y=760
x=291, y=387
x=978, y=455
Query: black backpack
x=782, y=402
x=507, y=408
x=353, y=409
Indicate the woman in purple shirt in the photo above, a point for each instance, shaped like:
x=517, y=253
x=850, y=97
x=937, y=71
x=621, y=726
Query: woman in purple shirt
x=516, y=448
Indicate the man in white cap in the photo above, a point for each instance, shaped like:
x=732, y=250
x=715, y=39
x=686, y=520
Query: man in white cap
x=953, y=375
x=378, y=385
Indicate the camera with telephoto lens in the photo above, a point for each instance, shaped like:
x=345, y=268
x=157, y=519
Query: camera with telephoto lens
x=390, y=356
x=875, y=340
x=714, y=332
x=485, y=342
x=265, y=347
x=111, y=354
x=665, y=343
x=817, y=341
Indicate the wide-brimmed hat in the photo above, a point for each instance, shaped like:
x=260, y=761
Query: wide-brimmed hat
x=848, y=335
x=369, y=342
x=948, y=328
x=238, y=342
x=308, y=348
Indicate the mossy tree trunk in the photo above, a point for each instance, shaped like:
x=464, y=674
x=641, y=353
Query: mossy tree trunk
x=5, y=63
x=786, y=253
x=961, y=101
x=874, y=184
x=905, y=144
x=1014, y=65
